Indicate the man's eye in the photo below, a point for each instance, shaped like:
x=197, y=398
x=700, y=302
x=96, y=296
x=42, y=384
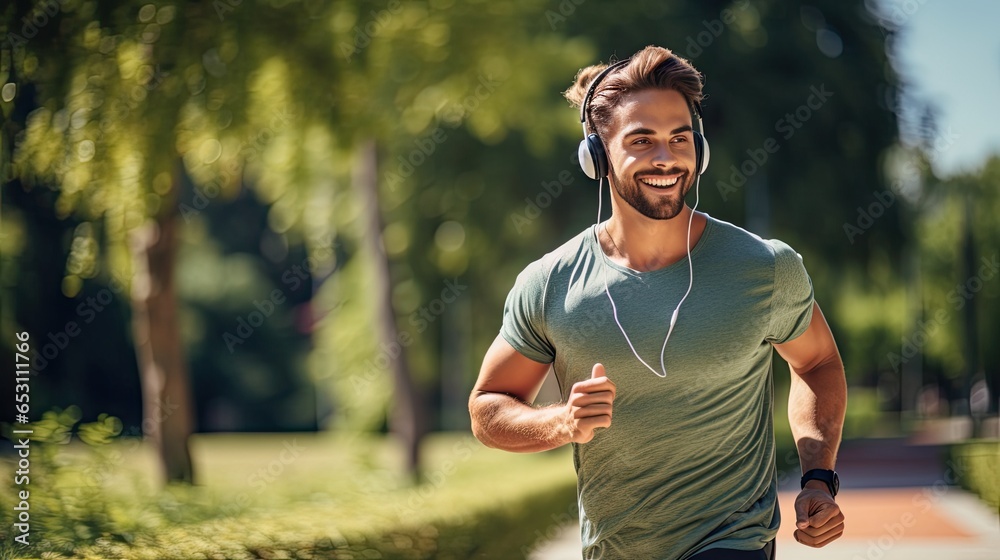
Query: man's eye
x=679, y=139
x=641, y=141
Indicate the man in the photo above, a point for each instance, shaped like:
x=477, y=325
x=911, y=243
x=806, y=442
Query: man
x=675, y=461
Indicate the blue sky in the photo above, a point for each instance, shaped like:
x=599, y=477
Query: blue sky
x=950, y=52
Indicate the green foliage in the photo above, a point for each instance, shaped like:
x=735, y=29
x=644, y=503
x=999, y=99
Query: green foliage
x=351, y=363
x=953, y=207
x=864, y=419
x=256, y=376
x=101, y=432
x=325, y=497
x=977, y=463
x=117, y=105
x=463, y=102
x=55, y=426
x=67, y=505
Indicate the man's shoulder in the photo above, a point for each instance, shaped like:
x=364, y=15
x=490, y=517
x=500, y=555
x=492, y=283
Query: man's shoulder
x=566, y=255
x=748, y=245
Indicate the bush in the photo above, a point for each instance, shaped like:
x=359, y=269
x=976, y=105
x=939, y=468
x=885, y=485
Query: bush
x=977, y=464
x=293, y=496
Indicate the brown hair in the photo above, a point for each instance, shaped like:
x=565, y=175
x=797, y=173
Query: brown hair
x=651, y=68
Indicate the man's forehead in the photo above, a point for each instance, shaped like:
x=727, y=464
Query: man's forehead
x=652, y=108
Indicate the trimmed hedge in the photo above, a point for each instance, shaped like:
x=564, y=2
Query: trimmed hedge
x=977, y=463
x=342, y=499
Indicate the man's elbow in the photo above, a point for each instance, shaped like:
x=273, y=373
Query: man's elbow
x=480, y=413
x=483, y=435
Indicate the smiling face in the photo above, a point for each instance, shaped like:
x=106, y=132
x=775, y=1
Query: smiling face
x=651, y=152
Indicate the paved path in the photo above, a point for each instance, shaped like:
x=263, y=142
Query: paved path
x=899, y=506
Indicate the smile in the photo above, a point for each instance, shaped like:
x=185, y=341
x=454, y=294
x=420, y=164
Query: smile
x=661, y=182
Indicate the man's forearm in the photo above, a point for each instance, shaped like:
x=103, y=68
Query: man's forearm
x=817, y=402
x=503, y=422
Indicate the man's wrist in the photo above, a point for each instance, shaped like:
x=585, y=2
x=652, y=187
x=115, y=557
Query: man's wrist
x=817, y=485
x=825, y=479
x=561, y=424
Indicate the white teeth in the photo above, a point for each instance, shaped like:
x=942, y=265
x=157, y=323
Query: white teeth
x=660, y=182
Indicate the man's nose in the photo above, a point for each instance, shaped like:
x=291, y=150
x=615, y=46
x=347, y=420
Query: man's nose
x=663, y=157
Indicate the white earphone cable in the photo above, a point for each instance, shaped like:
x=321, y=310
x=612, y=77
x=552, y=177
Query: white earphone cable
x=614, y=308
x=600, y=197
x=673, y=318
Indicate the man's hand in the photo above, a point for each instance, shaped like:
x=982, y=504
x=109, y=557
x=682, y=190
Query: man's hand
x=818, y=519
x=589, y=405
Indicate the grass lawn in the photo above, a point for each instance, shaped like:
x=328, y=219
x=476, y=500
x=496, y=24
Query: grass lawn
x=293, y=496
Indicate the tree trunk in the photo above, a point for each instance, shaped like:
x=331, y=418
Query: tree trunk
x=167, y=411
x=970, y=346
x=406, y=418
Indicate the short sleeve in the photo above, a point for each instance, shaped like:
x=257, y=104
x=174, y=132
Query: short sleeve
x=792, y=296
x=524, y=317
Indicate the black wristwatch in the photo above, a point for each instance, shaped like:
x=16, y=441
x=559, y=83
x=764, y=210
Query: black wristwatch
x=829, y=477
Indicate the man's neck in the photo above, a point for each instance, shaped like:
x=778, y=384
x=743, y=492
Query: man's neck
x=644, y=244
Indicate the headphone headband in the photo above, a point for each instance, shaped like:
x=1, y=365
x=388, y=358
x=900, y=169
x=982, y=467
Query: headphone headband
x=593, y=88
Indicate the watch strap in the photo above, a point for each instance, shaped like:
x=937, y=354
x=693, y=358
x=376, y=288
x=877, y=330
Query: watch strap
x=824, y=475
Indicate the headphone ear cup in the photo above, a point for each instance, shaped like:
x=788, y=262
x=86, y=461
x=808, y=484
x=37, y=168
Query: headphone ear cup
x=593, y=158
x=702, y=152
x=586, y=159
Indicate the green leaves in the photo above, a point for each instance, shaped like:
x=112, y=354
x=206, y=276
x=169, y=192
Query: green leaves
x=56, y=425
x=101, y=432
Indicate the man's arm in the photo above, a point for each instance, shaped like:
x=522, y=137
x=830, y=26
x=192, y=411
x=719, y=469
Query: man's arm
x=501, y=411
x=818, y=396
x=817, y=402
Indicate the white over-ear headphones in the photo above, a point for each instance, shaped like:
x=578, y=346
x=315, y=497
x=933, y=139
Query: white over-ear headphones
x=594, y=158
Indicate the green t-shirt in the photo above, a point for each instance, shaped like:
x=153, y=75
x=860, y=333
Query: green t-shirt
x=688, y=462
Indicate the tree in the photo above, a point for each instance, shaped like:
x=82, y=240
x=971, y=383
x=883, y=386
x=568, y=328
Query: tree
x=117, y=106
x=956, y=236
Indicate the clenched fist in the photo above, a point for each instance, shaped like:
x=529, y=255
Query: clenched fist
x=818, y=519
x=589, y=406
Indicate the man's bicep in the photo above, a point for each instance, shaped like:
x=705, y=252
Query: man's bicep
x=505, y=370
x=812, y=348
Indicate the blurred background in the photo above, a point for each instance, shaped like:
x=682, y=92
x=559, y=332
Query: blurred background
x=260, y=248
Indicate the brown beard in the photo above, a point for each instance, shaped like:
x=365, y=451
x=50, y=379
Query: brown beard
x=666, y=208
